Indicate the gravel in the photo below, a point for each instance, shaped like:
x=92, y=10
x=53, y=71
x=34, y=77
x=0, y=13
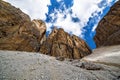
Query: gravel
x=15, y=65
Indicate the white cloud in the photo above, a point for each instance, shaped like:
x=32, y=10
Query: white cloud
x=68, y=25
x=58, y=0
x=83, y=9
x=36, y=9
x=108, y=3
x=93, y=29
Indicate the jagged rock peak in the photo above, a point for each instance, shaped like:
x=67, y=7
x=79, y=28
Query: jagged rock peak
x=41, y=27
x=60, y=44
x=108, y=30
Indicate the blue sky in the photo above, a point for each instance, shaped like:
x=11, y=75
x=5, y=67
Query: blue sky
x=79, y=17
x=93, y=21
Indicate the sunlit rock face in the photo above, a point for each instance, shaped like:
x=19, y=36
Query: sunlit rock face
x=78, y=17
x=17, y=31
x=40, y=30
x=108, y=30
x=60, y=44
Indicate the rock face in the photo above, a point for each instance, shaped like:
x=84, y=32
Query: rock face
x=61, y=44
x=108, y=30
x=17, y=31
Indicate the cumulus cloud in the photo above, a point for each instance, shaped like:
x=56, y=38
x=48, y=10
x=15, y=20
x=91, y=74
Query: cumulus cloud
x=63, y=19
x=36, y=9
x=68, y=25
x=71, y=15
x=82, y=10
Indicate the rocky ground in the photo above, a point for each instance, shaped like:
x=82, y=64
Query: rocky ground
x=15, y=65
x=106, y=55
x=19, y=33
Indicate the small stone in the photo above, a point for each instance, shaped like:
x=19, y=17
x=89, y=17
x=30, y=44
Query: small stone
x=60, y=58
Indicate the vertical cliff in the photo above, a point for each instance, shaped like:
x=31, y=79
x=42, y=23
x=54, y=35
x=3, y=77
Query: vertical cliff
x=61, y=44
x=108, y=30
x=18, y=32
